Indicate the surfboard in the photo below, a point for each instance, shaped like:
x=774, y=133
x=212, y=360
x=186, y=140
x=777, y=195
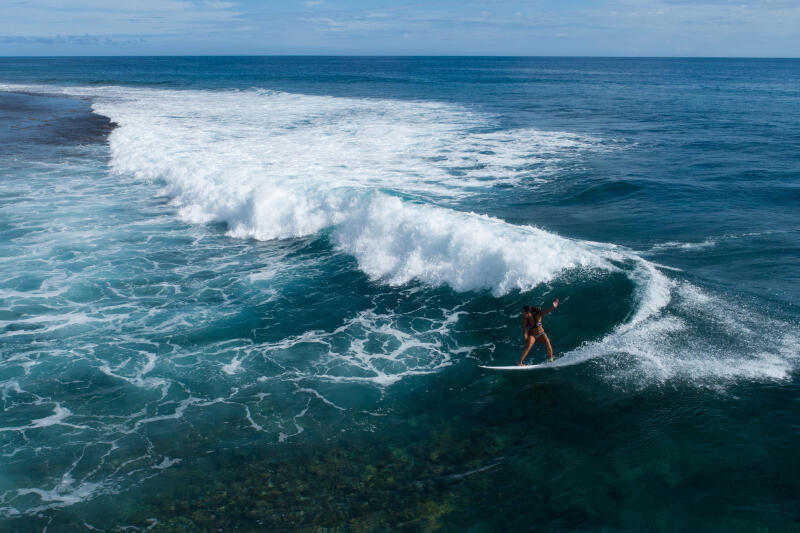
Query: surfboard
x=515, y=367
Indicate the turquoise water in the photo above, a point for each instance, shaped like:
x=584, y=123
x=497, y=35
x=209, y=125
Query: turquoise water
x=253, y=293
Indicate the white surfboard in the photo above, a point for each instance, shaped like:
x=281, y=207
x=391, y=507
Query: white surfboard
x=574, y=357
x=517, y=367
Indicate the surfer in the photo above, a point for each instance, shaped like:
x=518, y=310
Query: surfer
x=532, y=330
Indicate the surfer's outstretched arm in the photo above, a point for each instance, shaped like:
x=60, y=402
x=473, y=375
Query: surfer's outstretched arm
x=555, y=304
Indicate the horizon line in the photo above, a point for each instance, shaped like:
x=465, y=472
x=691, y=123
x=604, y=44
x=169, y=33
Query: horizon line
x=395, y=56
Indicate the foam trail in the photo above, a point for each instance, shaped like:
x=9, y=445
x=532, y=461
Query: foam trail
x=666, y=346
x=675, y=245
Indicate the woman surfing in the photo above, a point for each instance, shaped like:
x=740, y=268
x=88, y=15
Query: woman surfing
x=532, y=330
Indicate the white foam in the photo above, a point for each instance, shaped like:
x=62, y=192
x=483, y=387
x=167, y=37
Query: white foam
x=676, y=245
x=709, y=242
x=276, y=165
x=61, y=496
x=372, y=348
x=319, y=397
x=653, y=294
x=60, y=414
x=166, y=463
x=178, y=412
x=232, y=367
x=702, y=341
x=397, y=242
x=49, y=323
x=139, y=379
x=282, y=437
x=66, y=492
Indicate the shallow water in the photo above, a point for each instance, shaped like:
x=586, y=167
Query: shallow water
x=252, y=293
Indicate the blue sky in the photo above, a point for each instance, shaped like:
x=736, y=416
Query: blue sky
x=741, y=28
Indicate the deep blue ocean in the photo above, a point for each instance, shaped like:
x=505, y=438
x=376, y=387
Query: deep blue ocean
x=252, y=294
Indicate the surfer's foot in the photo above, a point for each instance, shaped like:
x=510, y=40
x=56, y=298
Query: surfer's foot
x=551, y=359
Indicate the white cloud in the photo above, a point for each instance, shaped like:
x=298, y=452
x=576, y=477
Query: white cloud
x=49, y=18
x=217, y=4
x=352, y=25
x=150, y=6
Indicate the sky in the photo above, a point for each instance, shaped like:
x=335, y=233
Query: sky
x=678, y=28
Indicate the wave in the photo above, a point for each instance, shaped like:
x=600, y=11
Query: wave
x=275, y=165
x=399, y=242
x=378, y=176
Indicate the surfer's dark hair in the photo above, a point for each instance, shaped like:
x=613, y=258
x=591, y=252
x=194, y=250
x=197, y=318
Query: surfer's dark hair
x=535, y=309
x=526, y=308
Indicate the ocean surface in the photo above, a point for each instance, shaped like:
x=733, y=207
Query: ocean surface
x=252, y=294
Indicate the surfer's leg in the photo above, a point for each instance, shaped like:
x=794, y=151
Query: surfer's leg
x=544, y=340
x=528, y=346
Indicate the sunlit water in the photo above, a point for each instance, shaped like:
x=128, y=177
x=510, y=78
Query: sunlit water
x=253, y=293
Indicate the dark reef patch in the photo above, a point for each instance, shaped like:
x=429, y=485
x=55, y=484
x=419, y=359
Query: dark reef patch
x=28, y=120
